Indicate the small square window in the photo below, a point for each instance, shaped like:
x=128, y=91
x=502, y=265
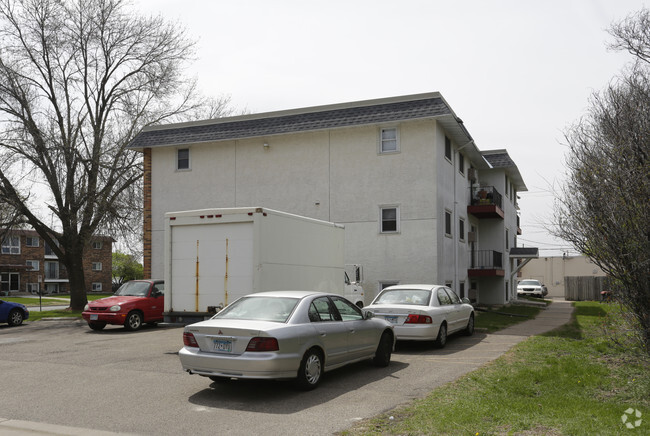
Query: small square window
x=389, y=141
x=389, y=219
x=97, y=266
x=448, y=148
x=97, y=245
x=34, y=265
x=448, y=223
x=31, y=241
x=97, y=286
x=183, y=159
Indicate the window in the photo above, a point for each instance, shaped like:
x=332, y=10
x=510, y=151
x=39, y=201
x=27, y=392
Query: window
x=51, y=270
x=97, y=245
x=389, y=142
x=33, y=264
x=9, y=282
x=443, y=297
x=389, y=219
x=97, y=286
x=11, y=245
x=97, y=266
x=32, y=288
x=452, y=296
x=347, y=310
x=462, y=289
x=448, y=148
x=447, y=223
x=461, y=229
x=48, y=250
x=384, y=285
x=31, y=241
x=183, y=159
x=507, y=185
x=507, y=239
x=321, y=310
x=461, y=163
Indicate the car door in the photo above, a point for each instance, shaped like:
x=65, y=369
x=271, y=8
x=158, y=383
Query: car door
x=152, y=305
x=446, y=309
x=362, y=335
x=457, y=317
x=158, y=301
x=333, y=335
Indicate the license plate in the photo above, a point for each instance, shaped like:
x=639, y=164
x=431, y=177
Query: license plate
x=391, y=319
x=223, y=345
x=94, y=317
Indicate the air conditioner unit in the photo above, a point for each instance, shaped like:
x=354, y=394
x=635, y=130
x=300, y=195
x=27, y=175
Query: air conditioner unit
x=471, y=174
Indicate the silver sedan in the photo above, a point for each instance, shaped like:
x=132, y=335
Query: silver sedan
x=285, y=334
x=424, y=312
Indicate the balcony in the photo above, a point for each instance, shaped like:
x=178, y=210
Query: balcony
x=486, y=263
x=487, y=202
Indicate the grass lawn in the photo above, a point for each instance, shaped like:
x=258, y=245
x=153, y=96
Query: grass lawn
x=573, y=380
x=35, y=316
x=48, y=301
x=498, y=319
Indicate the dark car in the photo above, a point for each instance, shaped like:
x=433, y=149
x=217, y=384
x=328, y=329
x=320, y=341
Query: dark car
x=136, y=302
x=12, y=313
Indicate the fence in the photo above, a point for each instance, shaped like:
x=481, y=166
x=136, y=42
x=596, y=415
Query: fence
x=584, y=288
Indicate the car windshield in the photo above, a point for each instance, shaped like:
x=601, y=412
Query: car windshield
x=276, y=309
x=529, y=283
x=133, y=289
x=417, y=297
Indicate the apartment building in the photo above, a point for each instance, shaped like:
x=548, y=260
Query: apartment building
x=419, y=201
x=28, y=264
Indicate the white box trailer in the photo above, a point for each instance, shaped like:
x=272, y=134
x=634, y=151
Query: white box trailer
x=214, y=256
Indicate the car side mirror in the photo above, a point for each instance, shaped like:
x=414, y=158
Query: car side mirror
x=368, y=315
x=465, y=300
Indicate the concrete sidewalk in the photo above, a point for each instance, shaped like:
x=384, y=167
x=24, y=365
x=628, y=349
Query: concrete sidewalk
x=555, y=315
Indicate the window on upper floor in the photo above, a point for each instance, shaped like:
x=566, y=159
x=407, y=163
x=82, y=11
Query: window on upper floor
x=461, y=229
x=448, y=223
x=389, y=219
x=183, y=159
x=97, y=266
x=461, y=163
x=389, y=140
x=11, y=245
x=33, y=264
x=448, y=149
x=97, y=245
x=507, y=239
x=31, y=241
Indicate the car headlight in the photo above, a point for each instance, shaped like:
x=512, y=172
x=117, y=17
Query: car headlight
x=86, y=308
x=115, y=308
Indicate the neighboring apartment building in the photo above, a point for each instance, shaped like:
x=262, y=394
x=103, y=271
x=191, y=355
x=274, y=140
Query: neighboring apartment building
x=28, y=264
x=552, y=270
x=419, y=201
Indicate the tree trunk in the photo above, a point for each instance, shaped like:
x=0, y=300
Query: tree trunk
x=77, y=282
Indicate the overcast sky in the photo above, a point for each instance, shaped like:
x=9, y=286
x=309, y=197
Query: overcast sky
x=517, y=72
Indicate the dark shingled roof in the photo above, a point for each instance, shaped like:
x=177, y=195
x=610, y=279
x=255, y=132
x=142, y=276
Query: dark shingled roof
x=295, y=121
x=524, y=252
x=499, y=160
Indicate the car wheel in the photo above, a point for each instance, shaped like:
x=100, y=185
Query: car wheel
x=441, y=340
x=311, y=370
x=384, y=350
x=97, y=325
x=15, y=317
x=469, y=330
x=133, y=321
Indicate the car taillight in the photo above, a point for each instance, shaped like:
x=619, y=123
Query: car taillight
x=189, y=340
x=418, y=319
x=263, y=344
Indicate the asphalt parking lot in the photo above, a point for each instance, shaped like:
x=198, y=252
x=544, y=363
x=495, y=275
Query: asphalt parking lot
x=61, y=373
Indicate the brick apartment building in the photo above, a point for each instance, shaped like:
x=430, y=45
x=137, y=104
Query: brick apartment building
x=27, y=264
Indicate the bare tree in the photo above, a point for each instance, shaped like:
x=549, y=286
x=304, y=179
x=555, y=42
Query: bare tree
x=78, y=79
x=603, y=209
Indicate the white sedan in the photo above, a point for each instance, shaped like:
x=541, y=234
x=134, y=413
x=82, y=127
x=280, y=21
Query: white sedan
x=285, y=334
x=424, y=312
